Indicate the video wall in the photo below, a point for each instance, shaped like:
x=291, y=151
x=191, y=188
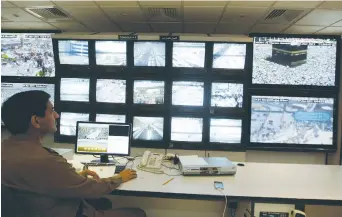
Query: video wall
x=279, y=92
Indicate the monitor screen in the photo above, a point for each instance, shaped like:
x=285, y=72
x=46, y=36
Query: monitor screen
x=229, y=56
x=226, y=95
x=74, y=89
x=27, y=54
x=111, y=138
x=73, y=52
x=111, y=53
x=149, y=53
x=186, y=129
x=149, y=92
x=189, y=93
x=294, y=61
x=110, y=118
x=225, y=130
x=148, y=128
x=68, y=122
x=111, y=91
x=9, y=89
x=292, y=120
x=188, y=54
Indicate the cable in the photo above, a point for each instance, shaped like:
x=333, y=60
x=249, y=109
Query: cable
x=225, y=205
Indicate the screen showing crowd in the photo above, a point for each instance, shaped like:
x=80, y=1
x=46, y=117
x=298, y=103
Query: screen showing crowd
x=24, y=54
x=292, y=120
x=294, y=61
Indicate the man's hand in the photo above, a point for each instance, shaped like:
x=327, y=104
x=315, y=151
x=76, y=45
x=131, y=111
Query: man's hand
x=128, y=174
x=93, y=174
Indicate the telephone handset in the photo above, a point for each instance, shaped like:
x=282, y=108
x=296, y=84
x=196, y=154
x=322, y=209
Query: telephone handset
x=151, y=160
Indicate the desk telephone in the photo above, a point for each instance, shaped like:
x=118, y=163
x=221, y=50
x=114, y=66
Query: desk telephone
x=151, y=160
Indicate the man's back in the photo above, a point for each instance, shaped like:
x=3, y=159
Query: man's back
x=22, y=167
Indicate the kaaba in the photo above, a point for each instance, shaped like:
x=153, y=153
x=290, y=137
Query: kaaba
x=289, y=55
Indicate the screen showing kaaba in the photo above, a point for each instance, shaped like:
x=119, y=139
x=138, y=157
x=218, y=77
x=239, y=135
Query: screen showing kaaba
x=294, y=61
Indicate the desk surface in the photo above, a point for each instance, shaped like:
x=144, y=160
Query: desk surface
x=313, y=184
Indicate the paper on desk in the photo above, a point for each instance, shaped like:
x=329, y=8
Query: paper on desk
x=103, y=171
x=192, y=160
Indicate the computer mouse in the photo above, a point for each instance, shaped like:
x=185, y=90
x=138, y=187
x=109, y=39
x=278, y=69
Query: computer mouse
x=241, y=164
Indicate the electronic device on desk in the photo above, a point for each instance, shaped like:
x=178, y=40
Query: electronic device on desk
x=104, y=139
x=212, y=166
x=151, y=162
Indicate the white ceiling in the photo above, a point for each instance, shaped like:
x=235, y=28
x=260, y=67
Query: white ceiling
x=209, y=17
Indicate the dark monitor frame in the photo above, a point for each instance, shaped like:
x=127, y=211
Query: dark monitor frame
x=290, y=86
x=106, y=154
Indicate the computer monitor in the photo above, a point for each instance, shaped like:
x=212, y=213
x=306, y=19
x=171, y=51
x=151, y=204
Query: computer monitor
x=103, y=138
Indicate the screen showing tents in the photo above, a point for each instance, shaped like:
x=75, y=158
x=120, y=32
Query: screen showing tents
x=111, y=53
x=27, y=54
x=292, y=120
x=294, y=61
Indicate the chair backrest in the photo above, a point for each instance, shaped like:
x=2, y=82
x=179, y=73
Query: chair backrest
x=8, y=202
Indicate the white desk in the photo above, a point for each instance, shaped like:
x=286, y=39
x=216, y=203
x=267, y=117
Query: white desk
x=258, y=182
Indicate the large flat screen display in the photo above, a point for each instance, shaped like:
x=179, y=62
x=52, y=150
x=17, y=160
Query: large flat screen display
x=149, y=53
x=187, y=93
x=229, y=56
x=294, y=61
x=27, y=54
x=111, y=91
x=292, y=120
x=226, y=95
x=186, y=129
x=148, y=92
x=148, y=128
x=74, y=89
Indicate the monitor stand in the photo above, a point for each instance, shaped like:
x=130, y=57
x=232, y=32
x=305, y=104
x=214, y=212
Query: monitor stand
x=104, y=159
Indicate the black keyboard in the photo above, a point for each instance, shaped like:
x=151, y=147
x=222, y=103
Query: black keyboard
x=119, y=168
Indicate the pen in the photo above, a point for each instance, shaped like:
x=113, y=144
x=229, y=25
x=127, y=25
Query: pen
x=168, y=181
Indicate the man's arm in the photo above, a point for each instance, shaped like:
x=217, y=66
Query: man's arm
x=53, y=176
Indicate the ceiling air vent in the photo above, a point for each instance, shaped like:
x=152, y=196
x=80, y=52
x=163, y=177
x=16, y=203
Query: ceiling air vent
x=282, y=16
x=162, y=14
x=48, y=13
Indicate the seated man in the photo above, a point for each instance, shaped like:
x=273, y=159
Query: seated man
x=39, y=181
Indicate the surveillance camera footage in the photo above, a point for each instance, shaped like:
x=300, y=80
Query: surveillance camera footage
x=110, y=118
x=188, y=54
x=229, y=56
x=68, y=122
x=111, y=53
x=226, y=95
x=149, y=53
x=187, y=93
x=111, y=91
x=292, y=120
x=92, y=137
x=75, y=89
x=73, y=52
x=148, y=128
x=9, y=89
x=27, y=55
x=294, y=61
x=225, y=130
x=149, y=92
x=186, y=129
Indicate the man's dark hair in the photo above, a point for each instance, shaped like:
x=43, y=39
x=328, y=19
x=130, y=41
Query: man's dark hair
x=16, y=112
